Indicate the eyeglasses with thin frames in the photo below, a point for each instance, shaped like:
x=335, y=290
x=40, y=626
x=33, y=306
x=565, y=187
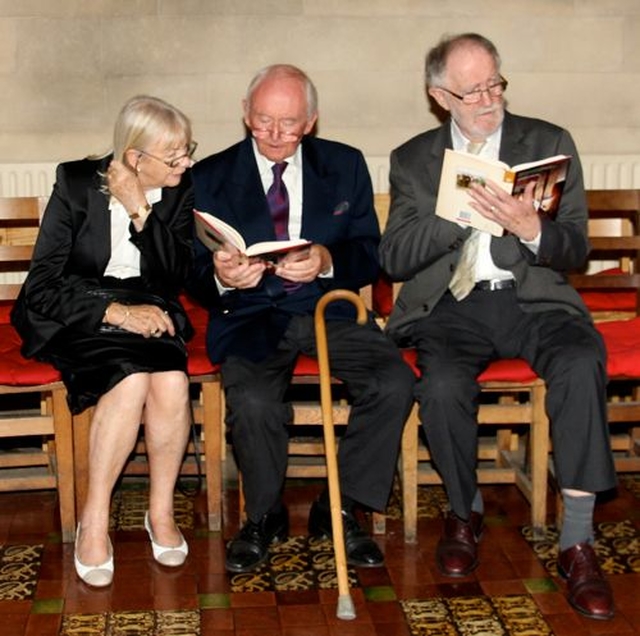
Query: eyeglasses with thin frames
x=263, y=133
x=174, y=163
x=473, y=97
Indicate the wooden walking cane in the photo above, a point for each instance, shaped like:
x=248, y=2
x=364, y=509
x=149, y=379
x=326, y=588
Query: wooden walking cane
x=346, y=609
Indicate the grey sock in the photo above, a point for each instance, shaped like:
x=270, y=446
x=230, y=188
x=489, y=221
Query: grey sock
x=577, y=524
x=477, y=505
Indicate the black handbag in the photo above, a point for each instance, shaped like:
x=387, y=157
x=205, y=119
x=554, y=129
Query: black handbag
x=125, y=296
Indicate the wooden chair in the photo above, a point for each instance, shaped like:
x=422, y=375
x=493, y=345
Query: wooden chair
x=517, y=449
x=610, y=286
x=33, y=407
x=204, y=454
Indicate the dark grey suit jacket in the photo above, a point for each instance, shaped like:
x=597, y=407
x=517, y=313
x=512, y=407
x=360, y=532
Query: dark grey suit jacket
x=422, y=250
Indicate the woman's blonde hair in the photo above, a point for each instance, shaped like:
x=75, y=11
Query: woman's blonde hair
x=144, y=120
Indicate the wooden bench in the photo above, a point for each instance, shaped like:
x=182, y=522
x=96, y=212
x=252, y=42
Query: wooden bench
x=33, y=407
x=610, y=286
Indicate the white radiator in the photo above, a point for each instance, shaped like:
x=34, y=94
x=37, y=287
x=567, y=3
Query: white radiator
x=606, y=172
x=600, y=171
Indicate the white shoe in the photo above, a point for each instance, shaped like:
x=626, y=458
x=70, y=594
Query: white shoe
x=94, y=575
x=170, y=556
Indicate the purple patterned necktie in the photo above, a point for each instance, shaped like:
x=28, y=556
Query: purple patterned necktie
x=278, y=200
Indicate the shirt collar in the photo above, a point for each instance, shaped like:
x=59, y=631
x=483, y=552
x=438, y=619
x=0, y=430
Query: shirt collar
x=265, y=165
x=492, y=144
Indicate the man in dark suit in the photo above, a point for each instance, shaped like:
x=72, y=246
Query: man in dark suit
x=261, y=315
x=469, y=298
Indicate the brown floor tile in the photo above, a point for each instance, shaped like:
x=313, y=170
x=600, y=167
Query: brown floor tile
x=248, y=618
x=301, y=615
x=508, y=566
x=43, y=625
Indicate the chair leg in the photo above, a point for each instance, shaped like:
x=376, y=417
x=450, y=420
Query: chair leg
x=211, y=423
x=63, y=425
x=539, y=440
x=409, y=472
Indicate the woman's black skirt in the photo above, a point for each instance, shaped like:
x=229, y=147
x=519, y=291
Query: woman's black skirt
x=91, y=365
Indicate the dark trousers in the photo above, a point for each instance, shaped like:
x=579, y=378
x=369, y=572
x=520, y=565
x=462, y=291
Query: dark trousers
x=455, y=344
x=380, y=386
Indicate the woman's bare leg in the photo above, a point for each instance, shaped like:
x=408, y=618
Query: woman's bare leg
x=114, y=430
x=167, y=420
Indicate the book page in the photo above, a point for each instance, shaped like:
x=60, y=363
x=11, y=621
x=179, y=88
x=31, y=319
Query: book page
x=270, y=250
x=459, y=171
x=215, y=233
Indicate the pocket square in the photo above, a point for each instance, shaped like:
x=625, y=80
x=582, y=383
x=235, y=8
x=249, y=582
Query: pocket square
x=341, y=208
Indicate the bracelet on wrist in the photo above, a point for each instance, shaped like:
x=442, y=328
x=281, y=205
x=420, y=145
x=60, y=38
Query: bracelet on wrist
x=119, y=324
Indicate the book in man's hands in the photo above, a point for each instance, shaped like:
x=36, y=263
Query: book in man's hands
x=461, y=169
x=216, y=234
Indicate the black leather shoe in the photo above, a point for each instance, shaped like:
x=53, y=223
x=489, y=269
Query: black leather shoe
x=362, y=551
x=250, y=547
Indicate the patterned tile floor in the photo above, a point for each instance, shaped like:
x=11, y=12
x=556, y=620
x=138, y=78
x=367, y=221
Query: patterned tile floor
x=514, y=592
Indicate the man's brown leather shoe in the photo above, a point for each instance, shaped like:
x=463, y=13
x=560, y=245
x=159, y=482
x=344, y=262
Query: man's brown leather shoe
x=589, y=591
x=457, y=551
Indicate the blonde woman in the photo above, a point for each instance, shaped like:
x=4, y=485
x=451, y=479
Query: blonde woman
x=100, y=304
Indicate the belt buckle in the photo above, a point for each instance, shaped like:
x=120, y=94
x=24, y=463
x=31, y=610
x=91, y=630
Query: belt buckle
x=495, y=284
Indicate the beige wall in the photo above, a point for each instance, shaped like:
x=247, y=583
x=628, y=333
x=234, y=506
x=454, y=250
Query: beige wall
x=66, y=66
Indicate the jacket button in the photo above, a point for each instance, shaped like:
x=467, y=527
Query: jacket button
x=425, y=308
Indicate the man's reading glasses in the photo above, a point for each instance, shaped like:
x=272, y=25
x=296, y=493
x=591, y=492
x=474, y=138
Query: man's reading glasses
x=473, y=97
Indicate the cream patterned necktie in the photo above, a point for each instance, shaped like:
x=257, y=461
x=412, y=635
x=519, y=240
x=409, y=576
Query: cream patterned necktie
x=463, y=278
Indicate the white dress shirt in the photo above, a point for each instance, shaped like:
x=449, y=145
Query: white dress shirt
x=486, y=269
x=125, y=256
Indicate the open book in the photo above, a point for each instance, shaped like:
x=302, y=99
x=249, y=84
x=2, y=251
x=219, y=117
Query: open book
x=460, y=169
x=215, y=234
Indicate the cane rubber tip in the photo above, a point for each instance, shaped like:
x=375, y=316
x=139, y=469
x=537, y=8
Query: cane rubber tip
x=346, y=610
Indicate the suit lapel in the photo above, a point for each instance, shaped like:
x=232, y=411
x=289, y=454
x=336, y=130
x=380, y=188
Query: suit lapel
x=319, y=186
x=514, y=147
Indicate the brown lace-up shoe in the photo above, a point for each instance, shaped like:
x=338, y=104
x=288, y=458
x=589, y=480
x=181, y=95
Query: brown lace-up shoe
x=589, y=591
x=457, y=551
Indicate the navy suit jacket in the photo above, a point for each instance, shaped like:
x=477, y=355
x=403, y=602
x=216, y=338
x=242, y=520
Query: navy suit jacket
x=337, y=212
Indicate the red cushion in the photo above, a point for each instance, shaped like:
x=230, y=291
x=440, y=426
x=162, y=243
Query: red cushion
x=306, y=366
x=198, y=362
x=622, y=339
x=612, y=300
x=5, y=313
x=382, y=296
x=16, y=370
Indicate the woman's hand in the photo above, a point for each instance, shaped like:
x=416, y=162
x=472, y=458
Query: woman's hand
x=125, y=186
x=147, y=320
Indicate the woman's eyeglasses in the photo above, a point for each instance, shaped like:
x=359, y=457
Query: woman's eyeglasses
x=176, y=161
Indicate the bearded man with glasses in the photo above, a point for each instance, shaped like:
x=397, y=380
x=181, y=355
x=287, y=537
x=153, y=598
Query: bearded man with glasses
x=469, y=298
